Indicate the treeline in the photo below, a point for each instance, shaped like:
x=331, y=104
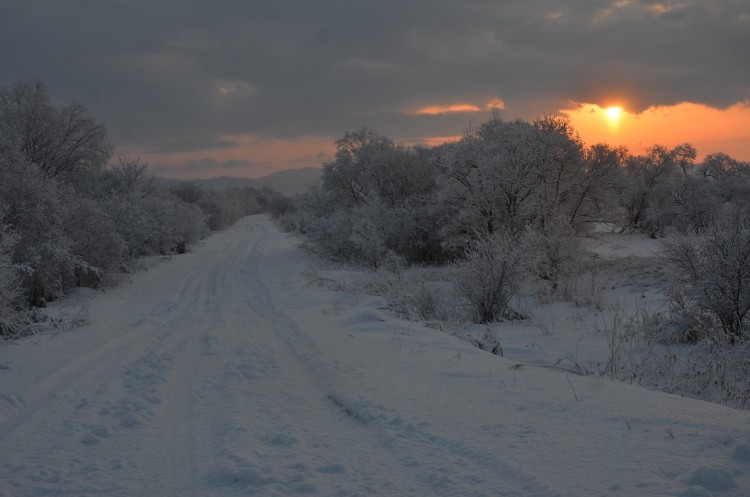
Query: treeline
x=72, y=216
x=428, y=204
x=512, y=198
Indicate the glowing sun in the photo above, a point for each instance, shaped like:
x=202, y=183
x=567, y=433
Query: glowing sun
x=613, y=113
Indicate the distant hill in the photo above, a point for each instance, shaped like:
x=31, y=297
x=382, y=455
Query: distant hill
x=287, y=182
x=291, y=181
x=227, y=182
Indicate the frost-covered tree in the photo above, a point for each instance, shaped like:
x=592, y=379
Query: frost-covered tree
x=646, y=176
x=558, y=156
x=593, y=198
x=67, y=219
x=508, y=174
x=669, y=190
x=347, y=179
x=35, y=206
x=375, y=197
x=369, y=166
x=490, y=180
x=728, y=179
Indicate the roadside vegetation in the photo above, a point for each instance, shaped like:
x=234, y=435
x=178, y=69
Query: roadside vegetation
x=72, y=214
x=487, y=228
x=473, y=237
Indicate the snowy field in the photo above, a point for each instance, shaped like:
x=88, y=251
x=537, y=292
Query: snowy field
x=226, y=372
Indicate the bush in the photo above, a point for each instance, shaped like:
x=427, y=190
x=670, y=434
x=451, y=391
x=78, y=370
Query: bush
x=489, y=275
x=711, y=272
x=558, y=249
x=10, y=281
x=94, y=240
x=281, y=206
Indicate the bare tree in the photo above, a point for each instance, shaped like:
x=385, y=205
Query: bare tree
x=594, y=196
x=129, y=177
x=719, y=166
x=60, y=142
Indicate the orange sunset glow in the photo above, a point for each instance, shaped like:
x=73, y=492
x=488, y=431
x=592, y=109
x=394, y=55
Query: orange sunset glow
x=613, y=113
x=707, y=128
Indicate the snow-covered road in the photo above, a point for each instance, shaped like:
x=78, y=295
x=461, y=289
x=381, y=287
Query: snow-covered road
x=225, y=372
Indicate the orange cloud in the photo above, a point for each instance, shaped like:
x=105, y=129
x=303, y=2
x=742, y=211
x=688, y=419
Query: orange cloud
x=495, y=103
x=434, y=110
x=707, y=128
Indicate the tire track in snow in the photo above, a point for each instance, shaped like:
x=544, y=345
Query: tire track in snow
x=95, y=407
x=216, y=390
x=277, y=439
x=411, y=444
x=86, y=365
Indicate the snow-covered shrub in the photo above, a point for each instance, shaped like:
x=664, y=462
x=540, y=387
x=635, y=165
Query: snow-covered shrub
x=188, y=225
x=558, y=251
x=717, y=373
x=413, y=229
x=711, y=268
x=11, y=313
x=222, y=209
x=281, y=206
x=675, y=355
x=173, y=224
x=94, y=240
x=368, y=234
x=415, y=293
x=36, y=206
x=710, y=371
x=133, y=224
x=157, y=224
x=489, y=275
x=332, y=235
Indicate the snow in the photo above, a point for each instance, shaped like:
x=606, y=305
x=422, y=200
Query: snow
x=225, y=372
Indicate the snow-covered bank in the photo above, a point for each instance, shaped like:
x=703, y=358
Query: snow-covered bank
x=224, y=372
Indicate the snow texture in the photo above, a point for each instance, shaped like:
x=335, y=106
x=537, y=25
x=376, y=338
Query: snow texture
x=223, y=372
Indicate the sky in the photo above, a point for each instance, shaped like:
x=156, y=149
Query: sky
x=244, y=88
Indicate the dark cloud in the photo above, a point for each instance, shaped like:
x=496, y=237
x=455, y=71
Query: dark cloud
x=172, y=75
x=191, y=145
